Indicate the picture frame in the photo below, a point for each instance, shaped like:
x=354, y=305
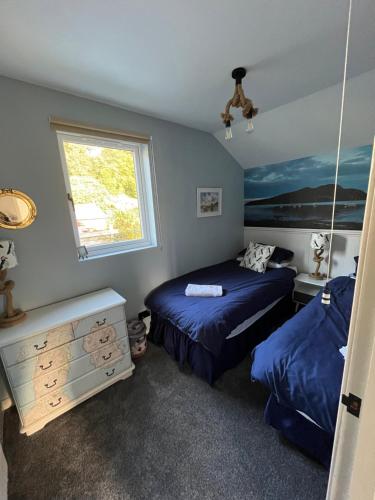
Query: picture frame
x=209, y=202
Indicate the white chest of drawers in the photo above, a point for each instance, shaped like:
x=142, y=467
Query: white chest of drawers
x=65, y=353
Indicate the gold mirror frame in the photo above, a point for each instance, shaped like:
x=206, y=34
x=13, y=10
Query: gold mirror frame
x=32, y=212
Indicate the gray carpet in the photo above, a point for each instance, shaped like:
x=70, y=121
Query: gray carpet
x=162, y=434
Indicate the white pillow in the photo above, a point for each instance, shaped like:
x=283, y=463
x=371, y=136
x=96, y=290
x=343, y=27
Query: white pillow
x=257, y=256
x=278, y=265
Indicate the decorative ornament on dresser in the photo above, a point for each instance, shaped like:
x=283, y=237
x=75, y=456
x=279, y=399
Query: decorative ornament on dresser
x=319, y=242
x=239, y=100
x=8, y=260
x=17, y=211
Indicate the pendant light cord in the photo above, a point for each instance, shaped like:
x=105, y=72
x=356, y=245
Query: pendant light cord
x=339, y=141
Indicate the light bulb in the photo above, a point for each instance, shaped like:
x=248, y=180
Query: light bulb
x=250, y=126
x=228, y=133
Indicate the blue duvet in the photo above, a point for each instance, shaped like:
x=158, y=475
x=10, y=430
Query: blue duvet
x=210, y=320
x=300, y=362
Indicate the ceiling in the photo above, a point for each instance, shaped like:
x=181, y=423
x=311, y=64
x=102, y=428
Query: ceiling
x=173, y=59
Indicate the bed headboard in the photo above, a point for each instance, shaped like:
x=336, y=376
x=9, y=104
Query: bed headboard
x=345, y=247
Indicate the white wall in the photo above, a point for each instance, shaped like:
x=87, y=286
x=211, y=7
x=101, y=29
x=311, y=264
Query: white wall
x=345, y=247
x=48, y=268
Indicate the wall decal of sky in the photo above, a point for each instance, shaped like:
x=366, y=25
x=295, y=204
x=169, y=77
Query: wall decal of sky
x=298, y=193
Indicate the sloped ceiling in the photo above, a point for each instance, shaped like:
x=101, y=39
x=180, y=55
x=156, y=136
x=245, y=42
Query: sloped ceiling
x=307, y=126
x=172, y=59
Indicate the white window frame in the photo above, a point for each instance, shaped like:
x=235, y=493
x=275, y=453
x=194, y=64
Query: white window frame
x=145, y=191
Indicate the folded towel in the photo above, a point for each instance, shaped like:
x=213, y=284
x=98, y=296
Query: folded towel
x=204, y=290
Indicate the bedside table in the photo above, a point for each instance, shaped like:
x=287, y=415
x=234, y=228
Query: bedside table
x=305, y=289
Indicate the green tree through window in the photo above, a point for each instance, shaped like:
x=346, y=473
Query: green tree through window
x=104, y=190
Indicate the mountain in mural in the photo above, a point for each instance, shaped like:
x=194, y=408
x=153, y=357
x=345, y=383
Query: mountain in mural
x=320, y=194
x=298, y=193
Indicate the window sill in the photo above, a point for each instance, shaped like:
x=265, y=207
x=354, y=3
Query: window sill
x=118, y=252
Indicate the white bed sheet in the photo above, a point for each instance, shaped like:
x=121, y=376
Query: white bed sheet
x=249, y=321
x=308, y=418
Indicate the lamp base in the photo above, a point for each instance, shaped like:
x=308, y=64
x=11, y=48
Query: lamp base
x=7, y=321
x=318, y=276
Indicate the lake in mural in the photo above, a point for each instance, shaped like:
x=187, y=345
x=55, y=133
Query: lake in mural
x=298, y=193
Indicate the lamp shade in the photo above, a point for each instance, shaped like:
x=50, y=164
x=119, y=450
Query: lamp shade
x=319, y=241
x=8, y=257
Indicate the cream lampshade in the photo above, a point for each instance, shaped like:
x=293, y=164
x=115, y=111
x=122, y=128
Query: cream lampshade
x=318, y=242
x=8, y=260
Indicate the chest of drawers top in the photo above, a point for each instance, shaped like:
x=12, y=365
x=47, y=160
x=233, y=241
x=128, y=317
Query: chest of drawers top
x=55, y=315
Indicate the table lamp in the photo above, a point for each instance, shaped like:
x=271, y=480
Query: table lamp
x=8, y=260
x=319, y=242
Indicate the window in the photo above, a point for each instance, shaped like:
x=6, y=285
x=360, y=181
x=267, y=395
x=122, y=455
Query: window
x=109, y=189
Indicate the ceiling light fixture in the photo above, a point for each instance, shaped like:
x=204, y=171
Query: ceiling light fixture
x=239, y=100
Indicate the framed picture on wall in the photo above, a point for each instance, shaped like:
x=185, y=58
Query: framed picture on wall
x=209, y=202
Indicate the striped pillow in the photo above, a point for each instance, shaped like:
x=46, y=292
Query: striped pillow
x=257, y=257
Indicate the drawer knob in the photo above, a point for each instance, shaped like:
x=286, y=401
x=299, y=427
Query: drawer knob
x=39, y=348
x=101, y=323
x=109, y=374
x=105, y=340
x=48, y=386
x=55, y=404
x=46, y=367
x=107, y=357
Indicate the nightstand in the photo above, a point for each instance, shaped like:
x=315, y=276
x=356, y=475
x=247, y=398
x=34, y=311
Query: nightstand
x=305, y=289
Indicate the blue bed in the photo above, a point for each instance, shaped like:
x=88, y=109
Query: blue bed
x=195, y=329
x=302, y=366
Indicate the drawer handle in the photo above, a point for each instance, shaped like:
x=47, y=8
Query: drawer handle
x=104, y=341
x=107, y=357
x=47, y=386
x=101, y=323
x=56, y=404
x=46, y=367
x=39, y=348
x=109, y=374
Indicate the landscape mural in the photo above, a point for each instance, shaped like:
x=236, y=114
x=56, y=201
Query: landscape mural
x=298, y=193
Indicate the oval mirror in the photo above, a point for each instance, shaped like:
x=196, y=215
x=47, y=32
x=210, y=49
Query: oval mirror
x=17, y=210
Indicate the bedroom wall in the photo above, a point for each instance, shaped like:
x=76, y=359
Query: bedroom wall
x=48, y=269
x=305, y=127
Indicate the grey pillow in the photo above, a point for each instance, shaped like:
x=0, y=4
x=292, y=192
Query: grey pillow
x=257, y=256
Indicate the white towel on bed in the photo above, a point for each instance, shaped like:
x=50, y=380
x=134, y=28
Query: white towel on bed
x=204, y=290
